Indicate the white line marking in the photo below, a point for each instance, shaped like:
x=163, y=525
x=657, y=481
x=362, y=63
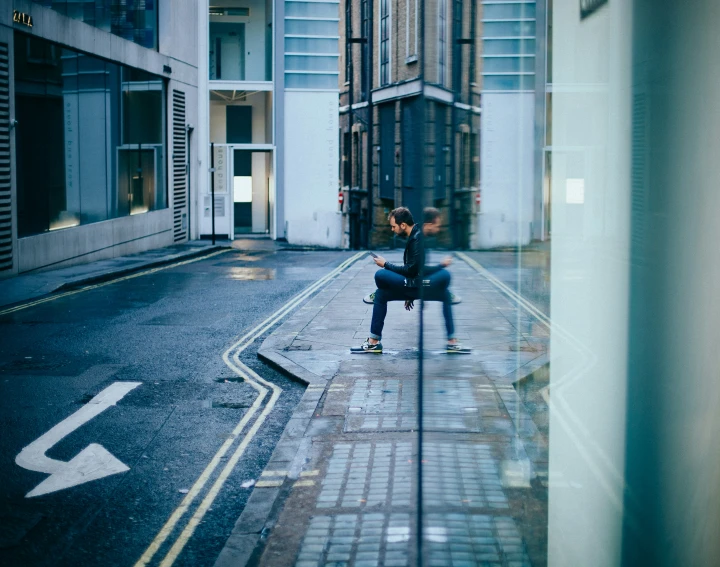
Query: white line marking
x=255, y=381
x=92, y=463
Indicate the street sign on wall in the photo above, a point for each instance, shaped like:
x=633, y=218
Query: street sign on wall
x=587, y=7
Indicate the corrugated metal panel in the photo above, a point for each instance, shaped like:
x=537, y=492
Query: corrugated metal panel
x=179, y=167
x=6, y=250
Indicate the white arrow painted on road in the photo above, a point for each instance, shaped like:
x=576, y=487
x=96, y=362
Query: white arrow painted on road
x=92, y=463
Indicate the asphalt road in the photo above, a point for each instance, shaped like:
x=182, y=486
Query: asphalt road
x=167, y=331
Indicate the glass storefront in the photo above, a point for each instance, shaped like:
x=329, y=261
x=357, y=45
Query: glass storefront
x=90, y=138
x=134, y=20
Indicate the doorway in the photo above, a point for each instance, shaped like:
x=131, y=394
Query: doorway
x=251, y=189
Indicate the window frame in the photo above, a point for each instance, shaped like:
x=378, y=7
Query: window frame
x=385, y=63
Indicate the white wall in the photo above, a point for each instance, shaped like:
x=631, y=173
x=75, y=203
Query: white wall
x=506, y=170
x=590, y=282
x=311, y=169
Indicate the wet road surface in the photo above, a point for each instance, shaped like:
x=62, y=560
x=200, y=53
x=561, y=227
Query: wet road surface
x=167, y=331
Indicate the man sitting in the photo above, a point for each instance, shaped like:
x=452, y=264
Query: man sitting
x=397, y=282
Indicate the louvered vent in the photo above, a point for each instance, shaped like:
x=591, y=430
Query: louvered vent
x=179, y=168
x=6, y=251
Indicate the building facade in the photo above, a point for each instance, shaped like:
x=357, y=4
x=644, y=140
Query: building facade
x=269, y=110
x=514, y=207
x=410, y=81
x=97, y=103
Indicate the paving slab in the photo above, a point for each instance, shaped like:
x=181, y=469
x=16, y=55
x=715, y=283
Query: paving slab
x=349, y=495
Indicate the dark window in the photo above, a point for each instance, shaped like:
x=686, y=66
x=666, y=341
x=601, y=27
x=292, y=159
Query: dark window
x=98, y=130
x=239, y=124
x=442, y=41
x=384, y=42
x=347, y=164
x=364, y=14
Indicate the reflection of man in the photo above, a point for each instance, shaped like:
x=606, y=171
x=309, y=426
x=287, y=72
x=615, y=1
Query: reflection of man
x=400, y=282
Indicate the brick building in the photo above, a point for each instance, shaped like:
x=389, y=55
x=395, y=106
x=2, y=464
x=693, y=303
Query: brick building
x=410, y=83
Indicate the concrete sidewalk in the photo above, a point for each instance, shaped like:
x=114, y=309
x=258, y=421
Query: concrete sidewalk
x=34, y=285
x=341, y=486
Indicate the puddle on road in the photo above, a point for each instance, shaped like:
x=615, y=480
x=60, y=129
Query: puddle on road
x=251, y=274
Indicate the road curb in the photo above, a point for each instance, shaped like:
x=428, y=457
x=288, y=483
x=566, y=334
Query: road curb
x=120, y=272
x=245, y=543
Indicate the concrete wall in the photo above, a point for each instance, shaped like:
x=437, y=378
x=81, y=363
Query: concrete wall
x=506, y=170
x=312, y=214
x=88, y=243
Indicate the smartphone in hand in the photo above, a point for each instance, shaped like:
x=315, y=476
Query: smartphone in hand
x=373, y=254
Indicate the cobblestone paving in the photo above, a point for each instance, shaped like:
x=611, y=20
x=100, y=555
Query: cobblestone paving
x=367, y=475
x=461, y=474
x=481, y=455
x=362, y=540
x=474, y=539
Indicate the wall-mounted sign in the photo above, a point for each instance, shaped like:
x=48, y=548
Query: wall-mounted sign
x=587, y=7
x=22, y=18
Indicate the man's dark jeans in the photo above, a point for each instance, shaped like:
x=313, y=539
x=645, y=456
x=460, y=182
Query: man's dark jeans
x=391, y=287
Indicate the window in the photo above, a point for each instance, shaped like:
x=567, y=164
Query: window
x=312, y=50
x=134, y=20
x=411, y=31
x=384, y=42
x=97, y=128
x=442, y=41
x=364, y=15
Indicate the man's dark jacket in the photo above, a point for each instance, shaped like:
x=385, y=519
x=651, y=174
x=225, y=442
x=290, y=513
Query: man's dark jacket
x=413, y=266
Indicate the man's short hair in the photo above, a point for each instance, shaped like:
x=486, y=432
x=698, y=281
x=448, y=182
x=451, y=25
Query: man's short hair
x=402, y=215
x=430, y=215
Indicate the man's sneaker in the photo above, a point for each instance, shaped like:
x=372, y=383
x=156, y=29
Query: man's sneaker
x=457, y=348
x=455, y=299
x=369, y=299
x=367, y=347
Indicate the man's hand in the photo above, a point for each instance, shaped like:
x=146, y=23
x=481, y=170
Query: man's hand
x=409, y=304
x=380, y=261
x=446, y=262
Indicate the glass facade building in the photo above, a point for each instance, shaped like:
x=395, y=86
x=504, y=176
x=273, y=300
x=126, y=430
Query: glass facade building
x=134, y=20
x=103, y=142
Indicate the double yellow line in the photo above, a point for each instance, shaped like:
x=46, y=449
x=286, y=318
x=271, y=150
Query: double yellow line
x=231, y=357
x=113, y=281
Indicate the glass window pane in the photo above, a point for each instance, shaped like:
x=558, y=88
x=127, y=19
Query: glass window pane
x=102, y=138
x=508, y=46
x=508, y=82
x=508, y=64
x=311, y=9
x=314, y=63
x=509, y=29
x=309, y=81
x=508, y=11
x=311, y=45
x=310, y=27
